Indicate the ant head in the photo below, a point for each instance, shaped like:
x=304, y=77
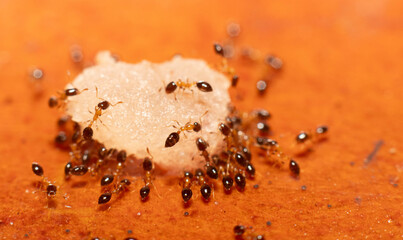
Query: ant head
x=104, y=105
x=171, y=87
x=204, y=86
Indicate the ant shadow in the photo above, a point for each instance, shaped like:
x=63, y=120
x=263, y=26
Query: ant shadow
x=187, y=204
x=228, y=191
x=52, y=203
x=79, y=184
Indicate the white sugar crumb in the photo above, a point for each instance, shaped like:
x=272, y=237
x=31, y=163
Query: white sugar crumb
x=147, y=114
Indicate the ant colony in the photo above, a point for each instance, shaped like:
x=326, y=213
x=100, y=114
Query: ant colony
x=126, y=122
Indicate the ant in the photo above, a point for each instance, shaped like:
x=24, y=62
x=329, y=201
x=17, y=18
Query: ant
x=45, y=184
x=202, y=146
x=305, y=140
x=118, y=189
x=205, y=188
x=186, y=190
x=173, y=138
x=121, y=159
x=201, y=85
x=101, y=106
x=62, y=97
x=272, y=150
x=219, y=50
x=147, y=167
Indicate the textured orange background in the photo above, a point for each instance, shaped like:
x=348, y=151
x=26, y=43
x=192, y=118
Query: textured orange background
x=342, y=68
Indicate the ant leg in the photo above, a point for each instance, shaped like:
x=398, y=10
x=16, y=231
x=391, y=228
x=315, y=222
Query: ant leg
x=148, y=151
x=96, y=94
x=104, y=124
x=212, y=188
x=156, y=190
x=116, y=103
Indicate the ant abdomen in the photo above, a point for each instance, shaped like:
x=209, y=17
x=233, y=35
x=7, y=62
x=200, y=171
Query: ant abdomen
x=171, y=87
x=172, y=139
x=186, y=194
x=204, y=86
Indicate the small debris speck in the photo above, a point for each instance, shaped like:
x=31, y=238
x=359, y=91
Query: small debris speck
x=256, y=186
x=67, y=230
x=37, y=73
x=26, y=235
x=268, y=223
x=395, y=185
x=303, y=187
x=186, y=214
x=357, y=200
x=392, y=151
x=129, y=231
x=329, y=206
x=352, y=163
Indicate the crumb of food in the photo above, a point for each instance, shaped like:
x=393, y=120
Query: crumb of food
x=147, y=114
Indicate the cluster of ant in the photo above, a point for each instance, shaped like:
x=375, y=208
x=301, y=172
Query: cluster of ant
x=232, y=165
x=89, y=156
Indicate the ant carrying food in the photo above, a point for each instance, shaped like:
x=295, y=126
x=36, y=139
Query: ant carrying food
x=61, y=99
x=101, y=106
x=50, y=188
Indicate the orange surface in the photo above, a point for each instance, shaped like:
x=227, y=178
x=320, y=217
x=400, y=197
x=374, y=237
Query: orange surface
x=342, y=68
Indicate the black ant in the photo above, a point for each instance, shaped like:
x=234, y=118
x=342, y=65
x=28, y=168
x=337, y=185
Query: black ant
x=173, y=138
x=101, y=106
x=119, y=188
x=147, y=167
x=45, y=184
x=201, y=85
x=61, y=99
